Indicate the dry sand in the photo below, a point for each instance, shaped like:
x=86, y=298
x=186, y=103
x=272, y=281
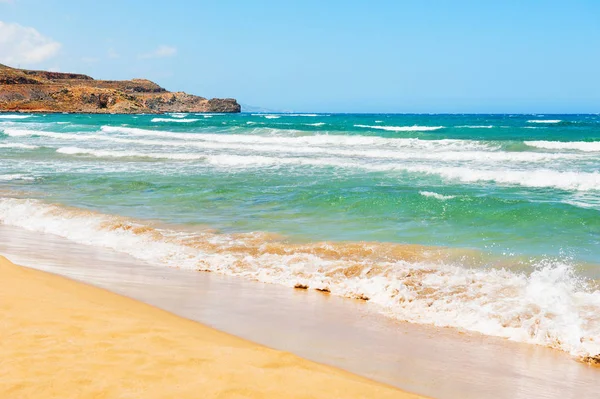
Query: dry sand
x=64, y=339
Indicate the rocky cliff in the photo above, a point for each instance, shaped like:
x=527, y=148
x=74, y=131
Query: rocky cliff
x=41, y=91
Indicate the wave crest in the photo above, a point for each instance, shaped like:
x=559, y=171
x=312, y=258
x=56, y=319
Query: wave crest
x=19, y=146
x=550, y=307
x=15, y=116
x=127, y=154
x=402, y=128
x=437, y=196
x=170, y=120
x=548, y=121
x=586, y=146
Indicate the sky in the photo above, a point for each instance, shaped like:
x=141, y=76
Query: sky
x=421, y=56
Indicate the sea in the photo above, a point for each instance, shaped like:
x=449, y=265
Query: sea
x=481, y=223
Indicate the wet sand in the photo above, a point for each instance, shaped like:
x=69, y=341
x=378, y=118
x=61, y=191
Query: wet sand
x=345, y=333
x=62, y=338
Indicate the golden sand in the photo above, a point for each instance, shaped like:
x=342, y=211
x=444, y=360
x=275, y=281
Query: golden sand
x=64, y=339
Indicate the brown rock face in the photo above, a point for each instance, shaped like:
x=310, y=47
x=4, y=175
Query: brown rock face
x=41, y=91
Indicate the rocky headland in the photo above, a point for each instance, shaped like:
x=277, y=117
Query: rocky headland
x=24, y=90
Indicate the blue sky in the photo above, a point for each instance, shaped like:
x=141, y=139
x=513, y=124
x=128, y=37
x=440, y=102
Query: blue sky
x=329, y=56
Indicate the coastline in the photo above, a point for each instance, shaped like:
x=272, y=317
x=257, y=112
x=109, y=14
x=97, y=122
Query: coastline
x=343, y=333
x=51, y=112
x=39, y=91
x=359, y=270
x=79, y=339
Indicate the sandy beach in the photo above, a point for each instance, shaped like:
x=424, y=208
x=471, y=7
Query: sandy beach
x=65, y=339
x=299, y=200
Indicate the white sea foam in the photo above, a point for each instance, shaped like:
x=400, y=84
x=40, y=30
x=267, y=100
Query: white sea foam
x=402, y=128
x=400, y=154
x=315, y=140
x=276, y=116
x=11, y=177
x=437, y=196
x=55, y=135
x=549, y=121
x=316, y=124
x=550, y=307
x=168, y=120
x=3, y=116
x=580, y=204
x=178, y=115
x=393, y=155
x=355, y=152
x=354, y=148
x=588, y=200
x=538, y=178
x=586, y=146
x=127, y=154
x=476, y=127
x=19, y=146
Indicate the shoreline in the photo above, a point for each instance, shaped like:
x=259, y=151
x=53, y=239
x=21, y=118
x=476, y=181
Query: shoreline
x=343, y=333
x=334, y=267
x=96, y=337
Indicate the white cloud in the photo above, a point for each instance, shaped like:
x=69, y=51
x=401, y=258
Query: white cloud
x=112, y=53
x=24, y=45
x=161, y=52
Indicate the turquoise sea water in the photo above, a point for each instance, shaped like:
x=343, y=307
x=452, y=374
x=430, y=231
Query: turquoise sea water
x=523, y=191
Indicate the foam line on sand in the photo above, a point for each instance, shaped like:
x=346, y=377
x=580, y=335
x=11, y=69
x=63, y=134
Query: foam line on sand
x=62, y=338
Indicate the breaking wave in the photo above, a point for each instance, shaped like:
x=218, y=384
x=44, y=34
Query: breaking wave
x=478, y=160
x=440, y=197
x=316, y=140
x=15, y=116
x=127, y=154
x=550, y=306
x=549, y=121
x=19, y=146
x=12, y=177
x=539, y=178
x=587, y=146
x=174, y=120
x=233, y=141
x=402, y=128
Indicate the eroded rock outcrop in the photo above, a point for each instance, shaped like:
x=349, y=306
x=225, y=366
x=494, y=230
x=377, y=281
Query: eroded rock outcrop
x=42, y=91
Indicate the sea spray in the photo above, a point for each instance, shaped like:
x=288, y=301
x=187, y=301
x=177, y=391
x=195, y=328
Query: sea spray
x=551, y=306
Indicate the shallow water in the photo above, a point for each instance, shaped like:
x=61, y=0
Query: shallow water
x=341, y=332
x=485, y=223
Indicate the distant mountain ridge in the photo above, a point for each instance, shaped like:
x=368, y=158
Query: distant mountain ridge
x=23, y=90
